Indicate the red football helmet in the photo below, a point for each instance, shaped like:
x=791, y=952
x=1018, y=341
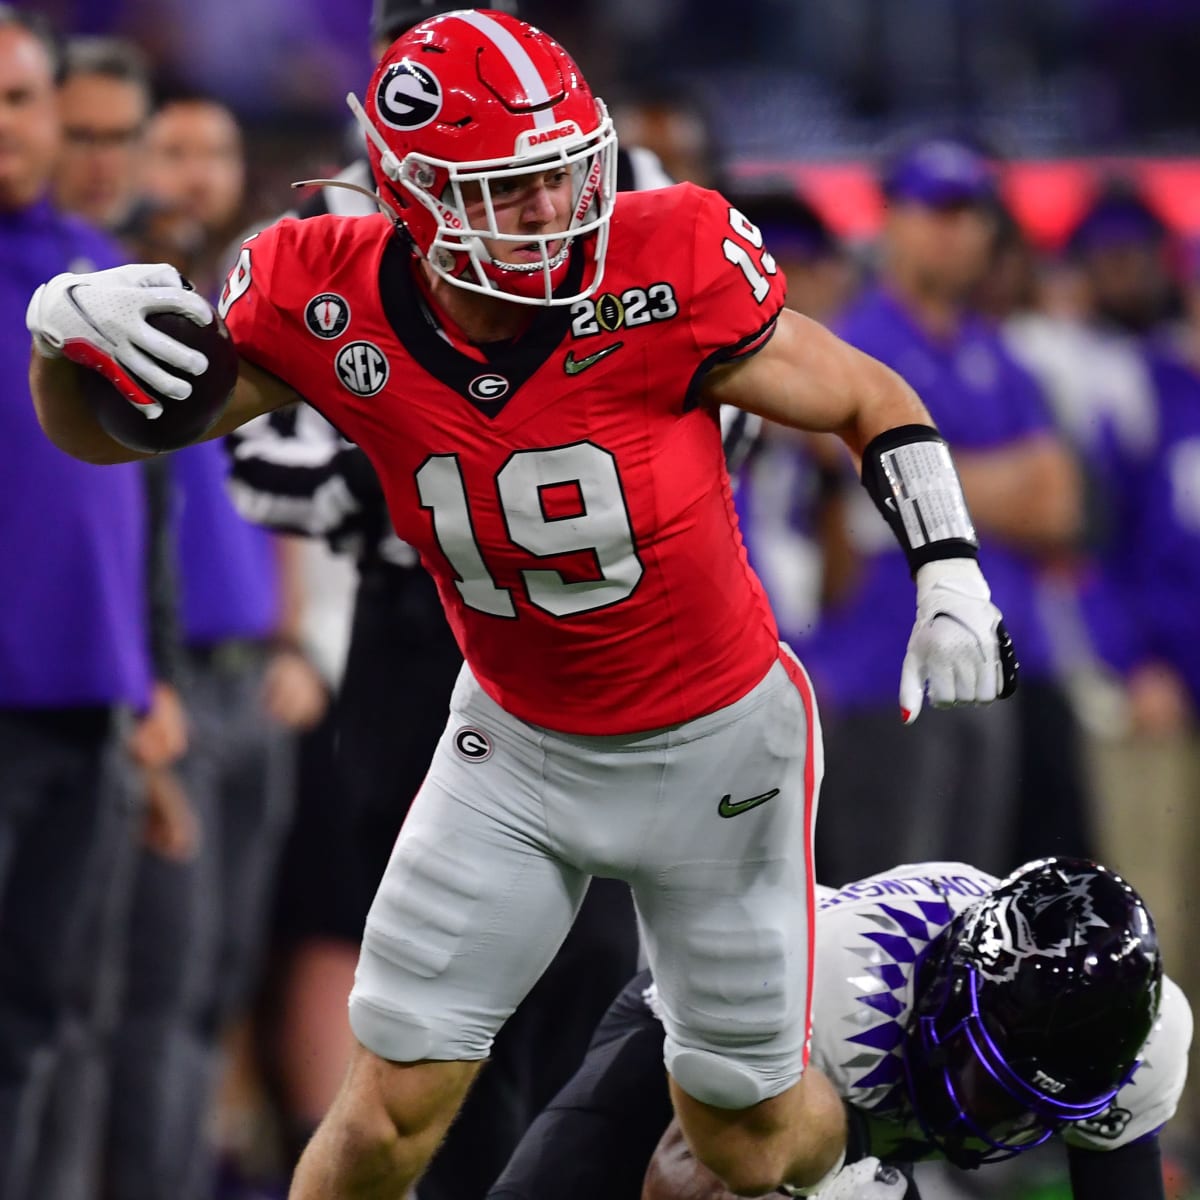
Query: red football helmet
x=482, y=101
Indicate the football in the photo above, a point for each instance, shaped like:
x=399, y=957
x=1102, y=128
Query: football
x=182, y=421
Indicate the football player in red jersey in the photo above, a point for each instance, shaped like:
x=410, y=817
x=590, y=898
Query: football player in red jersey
x=533, y=364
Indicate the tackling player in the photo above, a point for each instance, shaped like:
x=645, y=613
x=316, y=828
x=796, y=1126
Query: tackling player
x=956, y=1015
x=533, y=364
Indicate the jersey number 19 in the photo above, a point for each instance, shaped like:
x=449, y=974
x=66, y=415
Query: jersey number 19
x=601, y=525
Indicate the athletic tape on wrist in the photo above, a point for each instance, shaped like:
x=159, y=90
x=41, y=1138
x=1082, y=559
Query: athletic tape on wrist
x=909, y=474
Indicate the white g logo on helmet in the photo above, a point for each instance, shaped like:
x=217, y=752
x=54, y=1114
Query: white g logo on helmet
x=409, y=96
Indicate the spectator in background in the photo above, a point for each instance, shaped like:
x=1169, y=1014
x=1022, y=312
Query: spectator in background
x=1140, y=595
x=74, y=644
x=104, y=103
x=248, y=686
x=1124, y=250
x=1150, y=632
x=195, y=164
x=963, y=770
x=671, y=125
x=789, y=491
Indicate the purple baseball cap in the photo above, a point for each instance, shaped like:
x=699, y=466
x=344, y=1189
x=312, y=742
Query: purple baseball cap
x=940, y=172
x=1119, y=216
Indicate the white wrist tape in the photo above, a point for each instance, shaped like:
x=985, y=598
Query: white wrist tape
x=909, y=474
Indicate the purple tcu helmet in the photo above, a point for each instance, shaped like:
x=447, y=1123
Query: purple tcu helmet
x=1030, y=1010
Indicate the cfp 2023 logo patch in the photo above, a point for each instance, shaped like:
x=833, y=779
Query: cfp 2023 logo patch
x=609, y=312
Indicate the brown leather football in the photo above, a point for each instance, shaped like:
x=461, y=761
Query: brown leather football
x=182, y=421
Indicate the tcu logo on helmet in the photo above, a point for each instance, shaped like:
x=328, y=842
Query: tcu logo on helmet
x=1048, y=924
x=409, y=96
x=362, y=368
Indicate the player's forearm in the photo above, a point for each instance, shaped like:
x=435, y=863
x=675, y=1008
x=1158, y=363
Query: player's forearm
x=256, y=393
x=1133, y=1172
x=881, y=400
x=65, y=417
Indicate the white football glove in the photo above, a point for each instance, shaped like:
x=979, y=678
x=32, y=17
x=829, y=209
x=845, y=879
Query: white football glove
x=867, y=1179
x=959, y=647
x=99, y=319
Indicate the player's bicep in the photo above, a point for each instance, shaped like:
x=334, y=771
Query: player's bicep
x=803, y=376
x=806, y=377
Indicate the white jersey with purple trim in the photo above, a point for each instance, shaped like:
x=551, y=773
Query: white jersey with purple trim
x=869, y=935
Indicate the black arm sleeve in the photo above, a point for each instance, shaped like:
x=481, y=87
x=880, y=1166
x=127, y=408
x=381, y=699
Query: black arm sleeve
x=1133, y=1172
x=595, y=1139
x=162, y=587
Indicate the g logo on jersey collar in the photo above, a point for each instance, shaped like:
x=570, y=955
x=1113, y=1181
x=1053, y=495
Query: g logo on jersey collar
x=409, y=96
x=488, y=387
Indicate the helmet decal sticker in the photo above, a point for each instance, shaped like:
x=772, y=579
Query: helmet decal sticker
x=1007, y=938
x=518, y=60
x=408, y=96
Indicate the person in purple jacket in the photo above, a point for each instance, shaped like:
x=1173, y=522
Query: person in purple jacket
x=1144, y=616
x=74, y=646
x=248, y=687
x=963, y=771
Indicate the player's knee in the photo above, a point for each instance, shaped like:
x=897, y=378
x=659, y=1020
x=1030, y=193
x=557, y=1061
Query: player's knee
x=736, y=1037
x=746, y=1164
x=404, y=1034
x=734, y=1077
x=396, y=1036
x=791, y=1134
x=715, y=1080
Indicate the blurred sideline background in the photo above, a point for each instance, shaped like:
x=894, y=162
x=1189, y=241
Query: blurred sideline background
x=793, y=87
x=1090, y=112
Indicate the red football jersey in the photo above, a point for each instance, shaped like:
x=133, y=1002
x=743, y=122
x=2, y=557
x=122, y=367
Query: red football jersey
x=566, y=490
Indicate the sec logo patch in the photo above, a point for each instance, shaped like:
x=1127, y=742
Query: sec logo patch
x=362, y=368
x=473, y=745
x=327, y=315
